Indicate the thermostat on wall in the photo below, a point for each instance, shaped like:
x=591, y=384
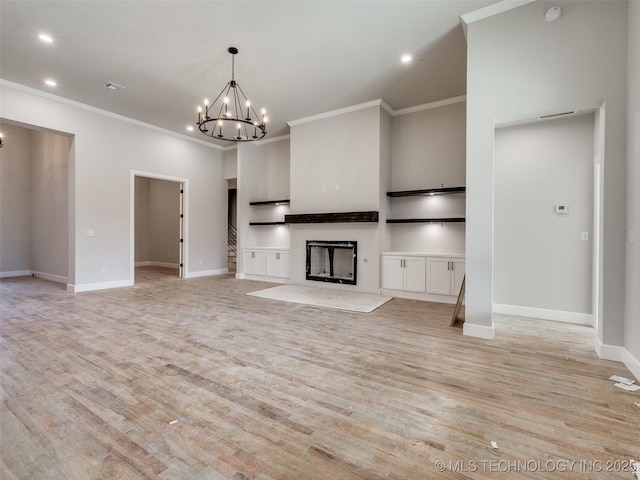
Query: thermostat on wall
x=561, y=208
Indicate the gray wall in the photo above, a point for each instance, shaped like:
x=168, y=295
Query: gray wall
x=540, y=260
x=101, y=186
x=34, y=204
x=15, y=201
x=157, y=222
x=164, y=220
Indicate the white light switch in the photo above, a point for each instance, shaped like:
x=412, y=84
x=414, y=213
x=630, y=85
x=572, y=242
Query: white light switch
x=562, y=209
x=91, y=233
x=584, y=236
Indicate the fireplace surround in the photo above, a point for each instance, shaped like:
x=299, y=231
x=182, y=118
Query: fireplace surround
x=332, y=261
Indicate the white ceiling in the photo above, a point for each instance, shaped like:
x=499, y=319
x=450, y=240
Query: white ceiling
x=296, y=58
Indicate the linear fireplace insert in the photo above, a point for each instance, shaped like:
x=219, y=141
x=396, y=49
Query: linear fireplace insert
x=332, y=261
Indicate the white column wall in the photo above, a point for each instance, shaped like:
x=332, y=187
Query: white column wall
x=520, y=66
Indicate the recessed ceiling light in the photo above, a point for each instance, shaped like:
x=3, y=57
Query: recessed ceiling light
x=45, y=38
x=50, y=82
x=190, y=128
x=406, y=58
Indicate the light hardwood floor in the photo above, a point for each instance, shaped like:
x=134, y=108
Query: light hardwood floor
x=192, y=379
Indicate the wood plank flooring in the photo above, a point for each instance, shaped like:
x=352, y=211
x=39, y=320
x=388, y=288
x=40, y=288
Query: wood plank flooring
x=192, y=379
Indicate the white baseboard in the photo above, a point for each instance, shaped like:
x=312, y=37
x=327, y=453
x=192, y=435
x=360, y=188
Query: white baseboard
x=425, y=297
x=263, y=278
x=480, y=331
x=609, y=352
x=544, y=314
x=26, y=273
x=150, y=263
x=632, y=363
x=618, y=354
x=88, y=287
x=207, y=273
x=51, y=277
x=16, y=273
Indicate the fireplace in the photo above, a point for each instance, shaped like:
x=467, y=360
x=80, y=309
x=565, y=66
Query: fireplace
x=332, y=261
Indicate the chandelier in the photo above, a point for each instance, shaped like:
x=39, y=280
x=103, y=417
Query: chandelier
x=225, y=118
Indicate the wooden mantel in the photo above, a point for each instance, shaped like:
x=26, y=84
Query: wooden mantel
x=336, y=217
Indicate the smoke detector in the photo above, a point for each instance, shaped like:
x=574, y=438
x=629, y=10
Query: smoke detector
x=553, y=14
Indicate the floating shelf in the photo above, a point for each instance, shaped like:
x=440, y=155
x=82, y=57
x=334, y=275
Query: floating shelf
x=429, y=191
x=338, y=217
x=271, y=202
x=426, y=220
x=258, y=224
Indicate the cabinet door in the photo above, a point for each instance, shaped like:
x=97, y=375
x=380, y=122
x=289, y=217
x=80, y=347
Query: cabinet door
x=273, y=264
x=438, y=276
x=457, y=275
x=254, y=262
x=284, y=264
x=261, y=262
x=278, y=264
x=392, y=272
x=414, y=274
x=249, y=262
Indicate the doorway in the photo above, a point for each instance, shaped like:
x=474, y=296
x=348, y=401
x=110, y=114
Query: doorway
x=232, y=227
x=35, y=203
x=544, y=229
x=158, y=223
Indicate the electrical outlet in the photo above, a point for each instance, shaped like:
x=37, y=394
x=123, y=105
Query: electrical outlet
x=104, y=270
x=584, y=236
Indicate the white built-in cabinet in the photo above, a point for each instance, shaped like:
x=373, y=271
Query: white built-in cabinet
x=255, y=262
x=265, y=263
x=278, y=263
x=405, y=273
x=445, y=275
x=422, y=276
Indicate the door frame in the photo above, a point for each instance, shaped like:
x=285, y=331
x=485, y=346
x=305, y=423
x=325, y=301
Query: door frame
x=184, y=219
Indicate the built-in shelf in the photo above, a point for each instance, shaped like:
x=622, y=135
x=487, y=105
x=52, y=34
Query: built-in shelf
x=257, y=224
x=426, y=220
x=337, y=217
x=428, y=191
x=271, y=202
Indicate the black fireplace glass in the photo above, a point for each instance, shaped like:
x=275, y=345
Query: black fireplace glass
x=332, y=261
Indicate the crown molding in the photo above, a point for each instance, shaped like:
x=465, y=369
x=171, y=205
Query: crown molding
x=490, y=11
x=341, y=111
x=428, y=106
x=99, y=111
